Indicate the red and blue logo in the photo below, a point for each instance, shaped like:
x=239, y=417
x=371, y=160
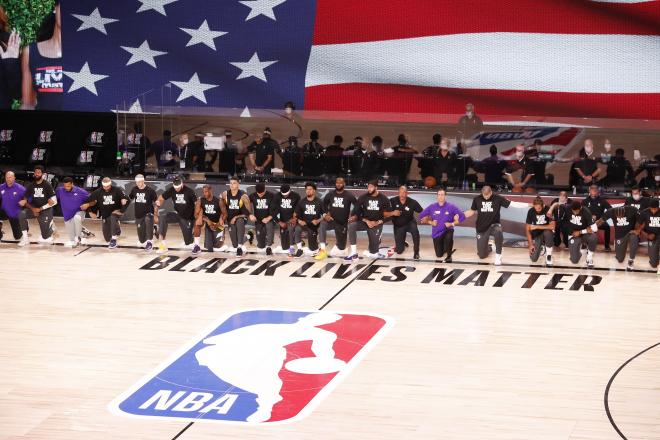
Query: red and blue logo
x=257, y=366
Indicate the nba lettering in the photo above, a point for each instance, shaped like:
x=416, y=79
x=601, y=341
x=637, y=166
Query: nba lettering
x=373, y=205
x=338, y=202
x=257, y=366
x=310, y=210
x=486, y=206
x=108, y=200
x=180, y=198
x=576, y=220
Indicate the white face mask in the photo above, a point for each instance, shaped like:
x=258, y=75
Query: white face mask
x=469, y=114
x=588, y=150
x=288, y=110
x=657, y=178
x=636, y=197
x=520, y=154
x=608, y=147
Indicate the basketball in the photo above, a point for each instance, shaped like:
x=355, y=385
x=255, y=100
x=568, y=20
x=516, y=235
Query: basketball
x=430, y=182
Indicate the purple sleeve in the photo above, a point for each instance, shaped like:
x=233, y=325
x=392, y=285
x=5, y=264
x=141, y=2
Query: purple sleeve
x=84, y=193
x=455, y=211
x=426, y=212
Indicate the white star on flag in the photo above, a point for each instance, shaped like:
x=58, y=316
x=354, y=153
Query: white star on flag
x=142, y=53
x=203, y=35
x=246, y=113
x=156, y=5
x=94, y=21
x=84, y=79
x=193, y=88
x=261, y=7
x=254, y=67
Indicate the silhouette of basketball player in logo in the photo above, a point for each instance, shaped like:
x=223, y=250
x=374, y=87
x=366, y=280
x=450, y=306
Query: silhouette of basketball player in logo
x=251, y=357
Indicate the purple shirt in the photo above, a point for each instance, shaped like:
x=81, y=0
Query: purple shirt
x=11, y=195
x=70, y=201
x=441, y=214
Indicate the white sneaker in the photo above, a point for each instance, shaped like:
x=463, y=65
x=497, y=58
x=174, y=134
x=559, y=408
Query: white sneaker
x=224, y=248
x=279, y=250
x=139, y=244
x=83, y=240
x=24, y=241
x=70, y=244
x=218, y=249
x=368, y=254
x=631, y=265
x=498, y=259
x=232, y=250
x=336, y=252
x=48, y=240
x=590, y=262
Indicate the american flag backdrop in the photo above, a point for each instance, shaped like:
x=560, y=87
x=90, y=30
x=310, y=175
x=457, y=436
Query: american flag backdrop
x=509, y=57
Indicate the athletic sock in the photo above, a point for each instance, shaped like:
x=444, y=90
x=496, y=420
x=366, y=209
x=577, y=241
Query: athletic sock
x=322, y=246
x=114, y=237
x=548, y=250
x=353, y=249
x=197, y=241
x=299, y=245
x=589, y=253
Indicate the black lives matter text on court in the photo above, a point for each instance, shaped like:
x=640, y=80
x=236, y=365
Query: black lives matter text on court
x=437, y=275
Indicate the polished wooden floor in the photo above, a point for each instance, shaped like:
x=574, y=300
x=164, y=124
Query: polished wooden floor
x=464, y=360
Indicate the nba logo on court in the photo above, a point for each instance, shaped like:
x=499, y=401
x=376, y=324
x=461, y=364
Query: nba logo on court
x=257, y=366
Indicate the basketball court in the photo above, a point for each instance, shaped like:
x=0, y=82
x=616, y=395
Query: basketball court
x=468, y=350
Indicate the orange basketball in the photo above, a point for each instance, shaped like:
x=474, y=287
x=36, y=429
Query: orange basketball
x=430, y=182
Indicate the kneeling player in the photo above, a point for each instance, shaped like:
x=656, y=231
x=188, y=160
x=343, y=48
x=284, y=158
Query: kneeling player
x=146, y=212
x=626, y=237
x=210, y=214
x=540, y=231
x=583, y=231
x=184, y=199
x=70, y=198
x=112, y=204
x=371, y=210
x=262, y=217
x=337, y=206
x=649, y=222
x=308, y=214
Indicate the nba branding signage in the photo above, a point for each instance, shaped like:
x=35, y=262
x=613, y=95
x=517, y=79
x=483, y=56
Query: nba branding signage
x=257, y=366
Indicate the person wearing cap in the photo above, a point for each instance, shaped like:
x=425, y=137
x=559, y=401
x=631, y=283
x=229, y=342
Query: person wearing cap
x=292, y=157
x=39, y=199
x=70, y=197
x=313, y=156
x=146, y=212
x=261, y=152
x=184, y=199
x=262, y=217
x=308, y=214
x=284, y=205
x=369, y=214
x=237, y=204
x=112, y=203
x=649, y=222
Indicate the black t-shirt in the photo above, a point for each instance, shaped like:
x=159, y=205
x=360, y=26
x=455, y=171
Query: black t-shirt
x=537, y=218
x=561, y=211
x=488, y=211
x=283, y=207
x=579, y=221
x=38, y=194
x=641, y=204
x=261, y=152
x=292, y=158
x=651, y=221
x=108, y=201
x=527, y=167
x=372, y=208
x=588, y=165
x=338, y=205
x=144, y=200
x=309, y=210
x=596, y=205
x=211, y=208
x=408, y=210
x=262, y=206
x=184, y=201
x=235, y=204
x=625, y=224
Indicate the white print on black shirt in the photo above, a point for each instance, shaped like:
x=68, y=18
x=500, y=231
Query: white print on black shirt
x=622, y=221
x=140, y=198
x=262, y=203
x=233, y=204
x=209, y=209
x=541, y=219
x=654, y=222
x=486, y=206
x=38, y=192
x=310, y=209
x=285, y=204
x=180, y=198
x=108, y=200
x=338, y=202
x=373, y=205
x=576, y=219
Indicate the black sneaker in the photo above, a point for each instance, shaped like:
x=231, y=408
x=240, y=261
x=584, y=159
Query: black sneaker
x=269, y=251
x=405, y=244
x=416, y=256
x=112, y=244
x=299, y=253
x=448, y=259
x=250, y=236
x=239, y=251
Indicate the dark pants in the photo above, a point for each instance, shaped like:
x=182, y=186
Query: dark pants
x=444, y=243
x=237, y=232
x=372, y=233
x=265, y=233
x=544, y=239
x=562, y=234
x=45, y=220
x=622, y=244
x=575, y=246
x=341, y=233
x=287, y=235
x=110, y=227
x=483, y=249
x=605, y=227
x=654, y=251
x=211, y=238
x=14, y=223
x=185, y=224
x=145, y=228
x=312, y=235
x=400, y=237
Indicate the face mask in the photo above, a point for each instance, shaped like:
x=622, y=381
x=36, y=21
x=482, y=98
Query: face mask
x=520, y=154
x=657, y=178
x=588, y=151
x=636, y=197
x=288, y=110
x=608, y=147
x=469, y=114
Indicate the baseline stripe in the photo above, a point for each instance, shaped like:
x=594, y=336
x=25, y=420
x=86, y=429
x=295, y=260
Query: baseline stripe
x=504, y=61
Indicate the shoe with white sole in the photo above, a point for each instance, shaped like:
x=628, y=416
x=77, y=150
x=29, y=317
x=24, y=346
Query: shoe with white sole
x=548, y=260
x=590, y=262
x=336, y=252
x=148, y=246
x=48, y=240
x=71, y=244
x=352, y=258
x=498, y=259
x=631, y=265
x=24, y=241
x=196, y=250
x=223, y=248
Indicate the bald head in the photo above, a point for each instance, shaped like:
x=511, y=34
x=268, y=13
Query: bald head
x=10, y=178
